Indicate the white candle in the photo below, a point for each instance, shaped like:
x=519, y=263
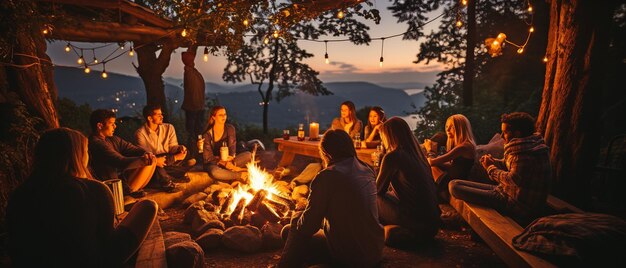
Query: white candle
x=314, y=130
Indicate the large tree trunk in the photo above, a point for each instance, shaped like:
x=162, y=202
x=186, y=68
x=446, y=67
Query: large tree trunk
x=268, y=94
x=33, y=83
x=470, y=66
x=570, y=108
x=151, y=68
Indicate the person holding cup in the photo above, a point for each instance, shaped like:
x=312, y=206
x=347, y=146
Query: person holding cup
x=219, y=148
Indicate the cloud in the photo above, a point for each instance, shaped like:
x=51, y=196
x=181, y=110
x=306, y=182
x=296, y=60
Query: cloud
x=343, y=67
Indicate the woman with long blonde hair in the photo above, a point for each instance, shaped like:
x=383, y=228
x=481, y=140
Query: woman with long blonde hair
x=347, y=120
x=461, y=152
x=405, y=187
x=61, y=217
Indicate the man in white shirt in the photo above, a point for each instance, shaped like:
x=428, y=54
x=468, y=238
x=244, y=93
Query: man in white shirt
x=160, y=139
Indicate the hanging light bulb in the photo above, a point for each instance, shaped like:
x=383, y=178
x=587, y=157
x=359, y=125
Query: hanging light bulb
x=95, y=60
x=380, y=63
x=246, y=22
x=87, y=69
x=532, y=29
x=464, y=2
x=131, y=52
x=275, y=34
x=520, y=50
x=266, y=40
x=45, y=30
x=206, y=54
x=459, y=23
x=545, y=58
x=326, y=52
x=382, y=47
x=68, y=47
x=184, y=33
x=326, y=58
x=104, y=71
x=340, y=14
x=530, y=8
x=121, y=45
x=81, y=59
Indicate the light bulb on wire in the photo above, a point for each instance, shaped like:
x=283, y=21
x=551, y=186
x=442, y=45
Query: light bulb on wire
x=131, y=52
x=121, y=45
x=545, y=59
x=68, y=47
x=532, y=29
x=340, y=14
x=326, y=52
x=380, y=63
x=275, y=34
x=183, y=33
x=530, y=8
x=104, y=71
x=464, y=2
x=520, y=50
x=245, y=22
x=81, y=59
x=382, y=48
x=266, y=40
x=87, y=69
x=459, y=23
x=206, y=54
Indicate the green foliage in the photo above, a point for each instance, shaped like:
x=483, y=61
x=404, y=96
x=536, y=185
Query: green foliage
x=19, y=131
x=511, y=82
x=74, y=116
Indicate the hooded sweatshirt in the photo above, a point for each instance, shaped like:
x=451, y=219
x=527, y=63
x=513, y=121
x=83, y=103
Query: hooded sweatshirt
x=524, y=175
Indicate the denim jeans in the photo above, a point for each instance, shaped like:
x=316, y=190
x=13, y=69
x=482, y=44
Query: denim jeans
x=478, y=193
x=221, y=174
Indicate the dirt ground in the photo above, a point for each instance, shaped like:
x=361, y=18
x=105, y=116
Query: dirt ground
x=453, y=246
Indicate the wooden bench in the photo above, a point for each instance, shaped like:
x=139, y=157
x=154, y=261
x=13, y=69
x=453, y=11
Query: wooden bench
x=498, y=231
x=151, y=253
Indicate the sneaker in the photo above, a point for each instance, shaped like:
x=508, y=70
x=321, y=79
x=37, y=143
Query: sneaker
x=138, y=194
x=169, y=186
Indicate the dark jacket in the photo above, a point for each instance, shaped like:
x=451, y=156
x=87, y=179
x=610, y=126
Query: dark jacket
x=110, y=156
x=211, y=154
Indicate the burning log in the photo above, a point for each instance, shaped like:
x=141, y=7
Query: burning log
x=268, y=213
x=246, y=217
x=279, y=207
x=226, y=203
x=236, y=214
x=284, y=200
x=257, y=200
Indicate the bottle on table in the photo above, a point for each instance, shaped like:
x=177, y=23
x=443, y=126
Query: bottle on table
x=300, y=132
x=357, y=141
x=378, y=155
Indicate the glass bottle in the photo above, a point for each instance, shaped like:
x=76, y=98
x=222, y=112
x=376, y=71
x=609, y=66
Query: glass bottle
x=200, y=145
x=224, y=152
x=357, y=141
x=301, y=132
x=378, y=155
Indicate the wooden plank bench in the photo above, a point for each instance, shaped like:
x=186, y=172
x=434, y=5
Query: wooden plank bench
x=151, y=253
x=498, y=231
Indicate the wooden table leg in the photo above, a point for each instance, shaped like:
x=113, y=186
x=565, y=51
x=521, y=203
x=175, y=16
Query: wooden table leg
x=286, y=160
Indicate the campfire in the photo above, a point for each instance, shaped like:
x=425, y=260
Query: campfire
x=236, y=214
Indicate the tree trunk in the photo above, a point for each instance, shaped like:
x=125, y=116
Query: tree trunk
x=469, y=70
x=151, y=68
x=270, y=88
x=34, y=84
x=570, y=108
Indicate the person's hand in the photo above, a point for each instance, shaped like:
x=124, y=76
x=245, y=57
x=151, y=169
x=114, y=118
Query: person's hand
x=182, y=154
x=487, y=160
x=148, y=158
x=160, y=161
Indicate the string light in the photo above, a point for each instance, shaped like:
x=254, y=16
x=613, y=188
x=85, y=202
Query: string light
x=81, y=59
x=326, y=52
x=245, y=22
x=382, y=47
x=532, y=29
x=68, y=47
x=464, y=2
x=104, y=70
x=121, y=45
x=46, y=29
x=131, y=52
x=184, y=33
x=545, y=58
x=275, y=34
x=266, y=40
x=520, y=50
x=459, y=23
x=530, y=8
x=95, y=60
x=206, y=54
x=87, y=69
x=340, y=14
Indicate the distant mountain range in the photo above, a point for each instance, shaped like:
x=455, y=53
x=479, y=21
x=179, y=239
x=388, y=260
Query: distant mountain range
x=126, y=93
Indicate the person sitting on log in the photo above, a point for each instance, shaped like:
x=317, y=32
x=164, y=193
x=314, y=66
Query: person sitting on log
x=343, y=201
x=111, y=157
x=219, y=142
x=406, y=195
x=61, y=217
x=160, y=139
x=523, y=177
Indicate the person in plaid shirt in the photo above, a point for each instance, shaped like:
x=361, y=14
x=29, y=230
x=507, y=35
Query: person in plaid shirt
x=523, y=177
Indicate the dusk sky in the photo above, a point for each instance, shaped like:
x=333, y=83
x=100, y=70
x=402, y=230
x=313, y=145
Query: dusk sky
x=349, y=62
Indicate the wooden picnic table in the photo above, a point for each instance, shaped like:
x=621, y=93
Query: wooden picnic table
x=293, y=147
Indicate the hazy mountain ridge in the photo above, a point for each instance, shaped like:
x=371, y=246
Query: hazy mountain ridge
x=242, y=101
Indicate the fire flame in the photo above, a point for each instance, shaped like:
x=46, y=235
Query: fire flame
x=259, y=179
